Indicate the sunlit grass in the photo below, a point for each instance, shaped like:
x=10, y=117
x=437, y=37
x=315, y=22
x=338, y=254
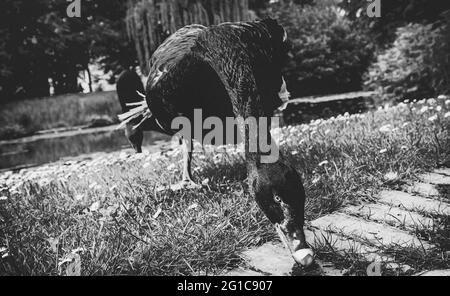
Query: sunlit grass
x=108, y=206
x=26, y=117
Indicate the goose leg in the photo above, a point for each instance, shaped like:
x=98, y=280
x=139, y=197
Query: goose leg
x=186, y=181
x=187, y=160
x=135, y=137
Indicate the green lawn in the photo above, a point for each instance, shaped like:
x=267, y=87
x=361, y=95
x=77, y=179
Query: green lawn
x=106, y=209
x=24, y=118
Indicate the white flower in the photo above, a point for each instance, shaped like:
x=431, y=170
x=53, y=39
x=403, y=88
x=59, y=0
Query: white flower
x=442, y=97
x=424, y=109
x=171, y=167
x=382, y=151
x=3, y=198
x=391, y=176
x=447, y=102
x=294, y=152
x=438, y=108
x=386, y=128
x=433, y=118
x=431, y=101
x=217, y=158
x=316, y=179
x=447, y=115
x=95, y=206
x=205, y=182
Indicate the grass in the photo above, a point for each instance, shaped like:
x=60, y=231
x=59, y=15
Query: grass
x=24, y=118
x=106, y=211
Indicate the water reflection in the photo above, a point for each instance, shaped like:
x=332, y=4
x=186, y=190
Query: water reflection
x=14, y=155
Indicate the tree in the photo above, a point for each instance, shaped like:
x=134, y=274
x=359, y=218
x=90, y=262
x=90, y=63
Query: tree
x=149, y=22
x=38, y=41
x=393, y=15
x=329, y=53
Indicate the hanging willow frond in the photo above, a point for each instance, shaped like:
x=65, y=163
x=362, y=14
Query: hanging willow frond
x=149, y=22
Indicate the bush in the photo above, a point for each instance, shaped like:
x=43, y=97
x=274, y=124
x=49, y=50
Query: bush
x=329, y=53
x=416, y=65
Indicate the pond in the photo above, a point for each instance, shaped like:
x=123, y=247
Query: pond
x=44, y=149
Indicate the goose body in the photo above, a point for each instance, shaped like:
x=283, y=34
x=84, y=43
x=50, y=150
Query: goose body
x=232, y=70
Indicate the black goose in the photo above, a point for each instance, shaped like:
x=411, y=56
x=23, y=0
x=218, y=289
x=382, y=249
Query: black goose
x=231, y=70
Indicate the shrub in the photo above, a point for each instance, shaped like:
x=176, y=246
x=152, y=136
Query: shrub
x=329, y=54
x=415, y=66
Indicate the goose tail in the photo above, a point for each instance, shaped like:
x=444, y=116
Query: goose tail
x=139, y=109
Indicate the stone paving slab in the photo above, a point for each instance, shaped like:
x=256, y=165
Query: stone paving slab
x=391, y=215
x=436, y=178
x=373, y=232
x=443, y=171
x=354, y=227
x=270, y=258
x=424, y=189
x=320, y=238
x=445, y=272
x=413, y=203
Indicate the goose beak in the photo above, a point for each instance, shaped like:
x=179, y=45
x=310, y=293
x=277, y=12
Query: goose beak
x=303, y=256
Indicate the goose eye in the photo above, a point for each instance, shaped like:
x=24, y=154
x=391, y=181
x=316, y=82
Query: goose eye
x=277, y=198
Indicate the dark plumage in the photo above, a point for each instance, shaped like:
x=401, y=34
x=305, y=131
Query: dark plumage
x=231, y=70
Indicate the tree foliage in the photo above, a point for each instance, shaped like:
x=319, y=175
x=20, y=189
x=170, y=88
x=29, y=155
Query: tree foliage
x=329, y=53
x=416, y=65
x=38, y=41
x=394, y=13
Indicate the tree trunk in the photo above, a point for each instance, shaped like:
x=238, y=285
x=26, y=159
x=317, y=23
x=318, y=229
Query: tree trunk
x=89, y=78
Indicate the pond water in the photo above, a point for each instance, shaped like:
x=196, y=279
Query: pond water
x=45, y=149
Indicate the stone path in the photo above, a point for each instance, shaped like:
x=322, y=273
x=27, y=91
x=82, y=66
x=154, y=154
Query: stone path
x=364, y=229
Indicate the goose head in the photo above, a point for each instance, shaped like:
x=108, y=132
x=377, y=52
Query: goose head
x=278, y=190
